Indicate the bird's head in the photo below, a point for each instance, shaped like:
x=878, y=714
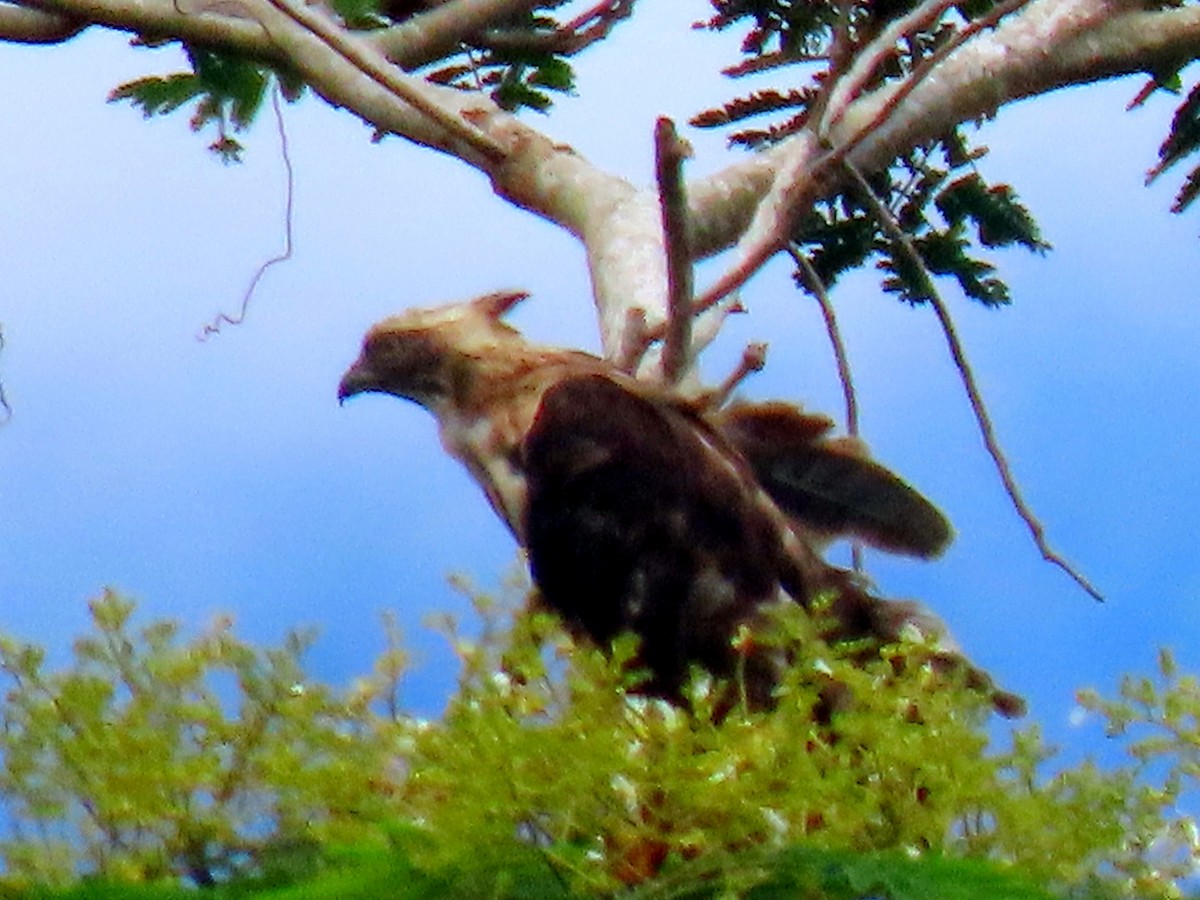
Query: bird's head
x=434, y=355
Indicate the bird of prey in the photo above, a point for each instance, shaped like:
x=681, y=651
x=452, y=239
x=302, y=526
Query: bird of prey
x=641, y=511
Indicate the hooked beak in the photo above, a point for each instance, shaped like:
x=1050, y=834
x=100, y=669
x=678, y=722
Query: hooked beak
x=358, y=379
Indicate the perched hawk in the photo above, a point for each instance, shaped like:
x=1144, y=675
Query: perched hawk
x=641, y=511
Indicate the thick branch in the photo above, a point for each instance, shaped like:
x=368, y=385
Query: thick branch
x=165, y=20
x=22, y=25
x=439, y=32
x=525, y=167
x=369, y=61
x=1050, y=45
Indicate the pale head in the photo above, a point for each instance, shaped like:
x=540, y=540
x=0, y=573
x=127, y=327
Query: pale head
x=429, y=355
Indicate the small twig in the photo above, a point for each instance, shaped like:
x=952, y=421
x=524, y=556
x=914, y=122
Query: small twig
x=754, y=359
x=669, y=153
x=239, y=317
x=372, y=63
x=815, y=286
x=841, y=54
x=1140, y=98
x=1036, y=529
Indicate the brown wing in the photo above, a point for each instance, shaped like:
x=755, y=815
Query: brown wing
x=636, y=522
x=829, y=484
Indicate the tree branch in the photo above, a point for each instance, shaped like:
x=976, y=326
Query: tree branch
x=870, y=58
x=368, y=60
x=6, y=412
x=803, y=176
x=1049, y=45
x=440, y=32
x=754, y=359
x=816, y=287
x=669, y=153
x=978, y=407
x=23, y=25
x=813, y=284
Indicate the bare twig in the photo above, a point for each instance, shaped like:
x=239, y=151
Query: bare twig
x=669, y=152
x=921, y=72
x=371, y=62
x=871, y=57
x=1036, y=529
x=780, y=203
x=754, y=359
x=237, y=318
x=815, y=286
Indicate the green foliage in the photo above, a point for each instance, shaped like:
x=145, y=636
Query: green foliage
x=522, y=71
x=152, y=760
x=526, y=78
x=150, y=755
x=518, y=73
x=228, y=91
x=946, y=220
x=943, y=220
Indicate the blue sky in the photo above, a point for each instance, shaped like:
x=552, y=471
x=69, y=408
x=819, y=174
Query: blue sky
x=204, y=478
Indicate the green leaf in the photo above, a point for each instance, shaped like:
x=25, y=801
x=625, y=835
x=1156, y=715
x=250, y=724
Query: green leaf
x=999, y=218
x=554, y=74
x=158, y=96
x=360, y=13
x=514, y=94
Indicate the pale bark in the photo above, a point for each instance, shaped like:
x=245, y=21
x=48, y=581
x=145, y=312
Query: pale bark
x=1044, y=46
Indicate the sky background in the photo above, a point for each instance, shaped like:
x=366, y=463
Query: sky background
x=222, y=477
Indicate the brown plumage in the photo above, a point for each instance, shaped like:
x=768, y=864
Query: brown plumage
x=641, y=512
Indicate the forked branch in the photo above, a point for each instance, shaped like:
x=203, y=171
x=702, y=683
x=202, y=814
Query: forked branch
x=368, y=60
